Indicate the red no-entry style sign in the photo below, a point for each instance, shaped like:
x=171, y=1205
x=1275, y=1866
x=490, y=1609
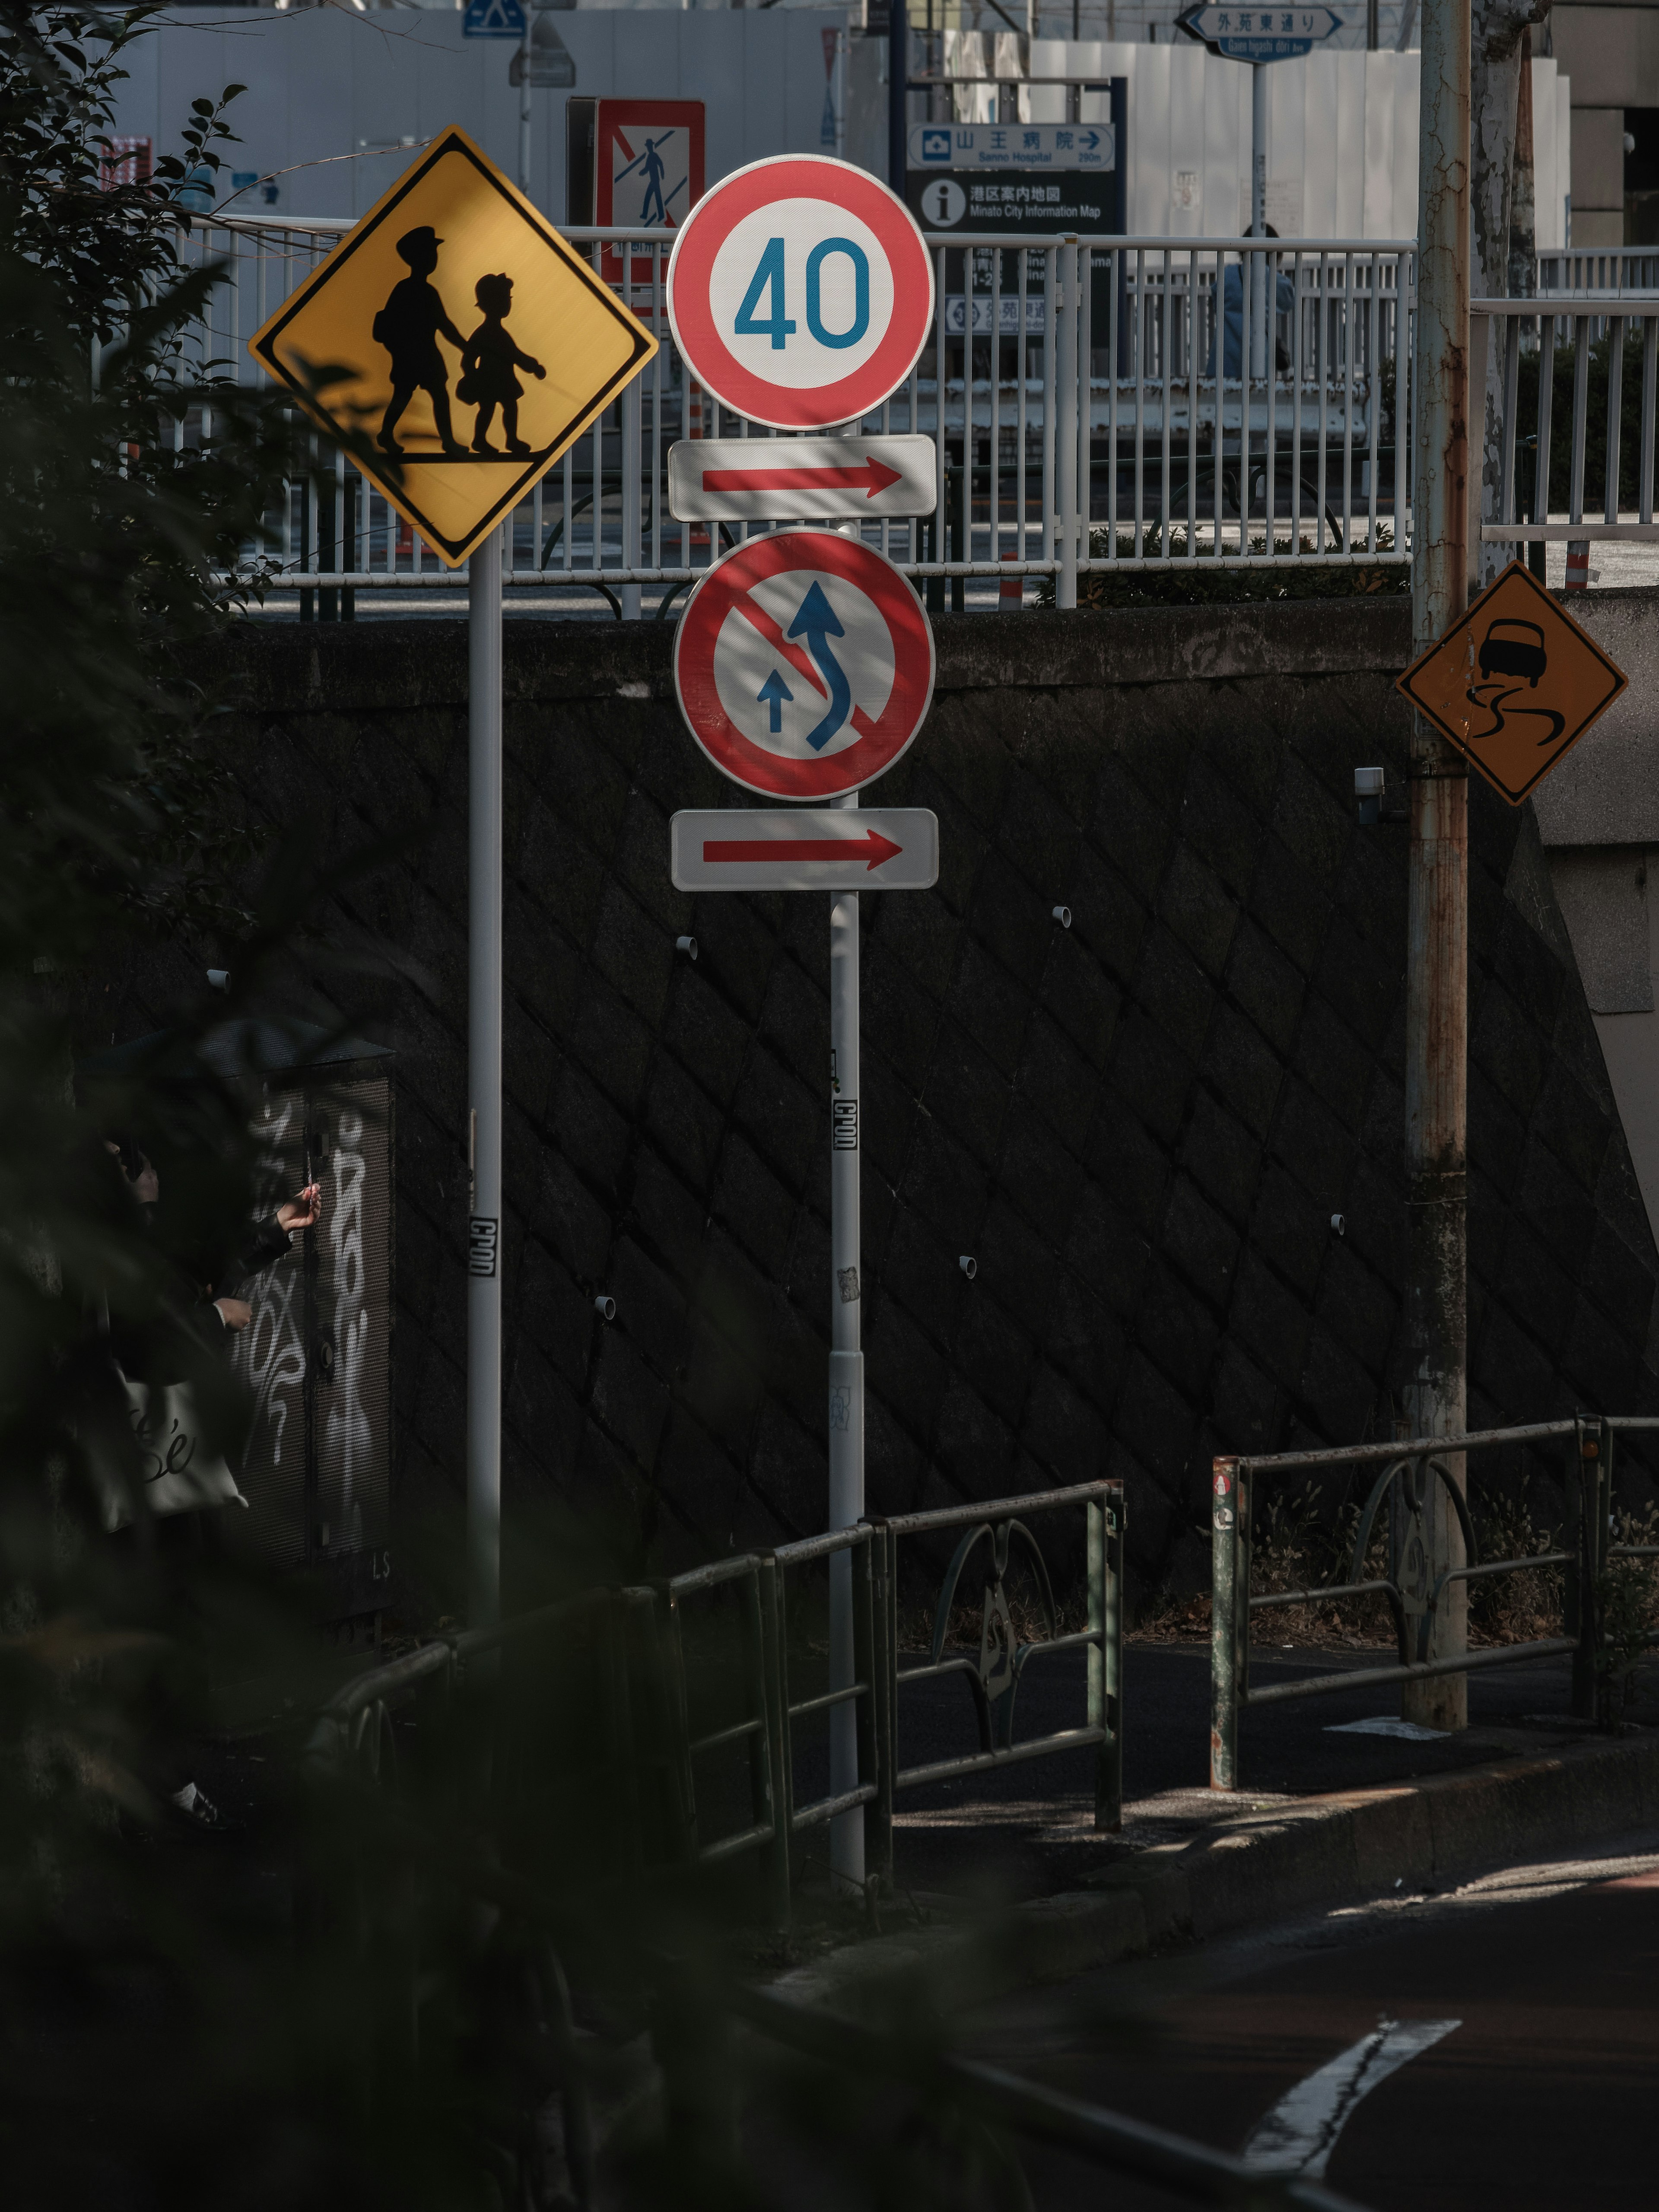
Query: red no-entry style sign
x=801, y=292
x=804, y=664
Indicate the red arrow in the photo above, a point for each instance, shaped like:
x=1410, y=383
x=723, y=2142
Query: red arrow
x=872, y=843
x=875, y=475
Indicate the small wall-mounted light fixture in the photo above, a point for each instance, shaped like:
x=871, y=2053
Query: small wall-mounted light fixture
x=1063, y=914
x=1368, y=785
x=687, y=945
x=1340, y=1225
x=218, y=979
x=968, y=1265
x=606, y=1307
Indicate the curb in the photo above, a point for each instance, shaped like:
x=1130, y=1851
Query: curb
x=1255, y=1869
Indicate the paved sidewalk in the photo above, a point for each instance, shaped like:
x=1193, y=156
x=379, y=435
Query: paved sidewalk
x=1027, y=1831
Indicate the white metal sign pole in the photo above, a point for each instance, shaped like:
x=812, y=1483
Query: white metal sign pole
x=484, y=1304
x=846, y=1369
x=1260, y=312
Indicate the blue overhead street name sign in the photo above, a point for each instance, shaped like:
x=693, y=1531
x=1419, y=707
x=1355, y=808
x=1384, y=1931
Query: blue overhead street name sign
x=1262, y=35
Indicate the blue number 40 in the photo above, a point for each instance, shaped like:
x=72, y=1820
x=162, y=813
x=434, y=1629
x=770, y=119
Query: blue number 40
x=769, y=278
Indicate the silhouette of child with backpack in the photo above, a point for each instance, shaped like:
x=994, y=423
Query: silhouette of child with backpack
x=488, y=360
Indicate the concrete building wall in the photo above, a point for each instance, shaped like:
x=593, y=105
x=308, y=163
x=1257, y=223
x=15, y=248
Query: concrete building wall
x=336, y=100
x=1342, y=138
x=1610, y=55
x=1599, y=818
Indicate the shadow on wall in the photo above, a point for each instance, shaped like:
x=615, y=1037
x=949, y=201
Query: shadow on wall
x=1139, y=1127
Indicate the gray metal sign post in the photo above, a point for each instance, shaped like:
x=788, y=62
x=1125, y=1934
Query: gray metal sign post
x=846, y=1367
x=764, y=699
x=1261, y=36
x=484, y=1077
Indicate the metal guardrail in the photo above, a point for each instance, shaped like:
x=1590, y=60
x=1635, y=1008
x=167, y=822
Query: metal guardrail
x=635, y=1640
x=1097, y=404
x=1583, y=322
x=646, y=1737
x=1406, y=1472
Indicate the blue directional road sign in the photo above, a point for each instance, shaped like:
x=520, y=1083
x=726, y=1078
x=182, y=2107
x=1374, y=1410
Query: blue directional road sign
x=494, y=19
x=1262, y=35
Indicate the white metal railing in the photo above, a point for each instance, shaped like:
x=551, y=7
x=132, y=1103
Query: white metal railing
x=1096, y=404
x=1599, y=324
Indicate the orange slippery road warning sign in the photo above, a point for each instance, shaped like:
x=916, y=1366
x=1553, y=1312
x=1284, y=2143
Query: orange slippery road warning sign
x=1514, y=685
x=455, y=331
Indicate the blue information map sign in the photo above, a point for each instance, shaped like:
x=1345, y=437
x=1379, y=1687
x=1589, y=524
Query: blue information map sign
x=1262, y=35
x=494, y=19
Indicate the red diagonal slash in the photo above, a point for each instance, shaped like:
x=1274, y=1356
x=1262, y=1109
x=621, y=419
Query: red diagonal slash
x=870, y=477
x=871, y=846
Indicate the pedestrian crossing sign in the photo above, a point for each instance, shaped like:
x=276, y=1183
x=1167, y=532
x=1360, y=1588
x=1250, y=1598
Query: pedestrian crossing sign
x=493, y=19
x=455, y=345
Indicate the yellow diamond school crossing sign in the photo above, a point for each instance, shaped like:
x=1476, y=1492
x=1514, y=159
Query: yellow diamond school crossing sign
x=1514, y=685
x=455, y=331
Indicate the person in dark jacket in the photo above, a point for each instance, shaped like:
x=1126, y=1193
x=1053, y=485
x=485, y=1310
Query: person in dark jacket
x=161, y=1353
x=409, y=326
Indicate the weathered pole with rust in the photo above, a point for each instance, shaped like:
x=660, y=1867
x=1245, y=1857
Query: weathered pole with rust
x=1436, y=981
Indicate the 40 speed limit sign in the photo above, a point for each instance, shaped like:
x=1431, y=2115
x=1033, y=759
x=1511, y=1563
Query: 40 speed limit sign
x=804, y=664
x=801, y=292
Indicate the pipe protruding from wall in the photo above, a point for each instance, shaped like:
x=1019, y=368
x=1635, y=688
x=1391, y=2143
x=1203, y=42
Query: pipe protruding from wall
x=1063, y=915
x=606, y=1307
x=968, y=1265
x=687, y=945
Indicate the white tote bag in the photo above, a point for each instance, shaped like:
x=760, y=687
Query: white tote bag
x=180, y=1474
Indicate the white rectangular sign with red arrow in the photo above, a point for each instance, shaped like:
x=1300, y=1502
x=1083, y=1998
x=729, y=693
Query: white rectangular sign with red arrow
x=795, y=479
x=806, y=848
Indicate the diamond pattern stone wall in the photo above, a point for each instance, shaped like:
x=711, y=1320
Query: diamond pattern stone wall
x=1140, y=1127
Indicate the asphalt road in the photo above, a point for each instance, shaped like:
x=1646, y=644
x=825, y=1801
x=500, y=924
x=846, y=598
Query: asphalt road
x=1519, y=2015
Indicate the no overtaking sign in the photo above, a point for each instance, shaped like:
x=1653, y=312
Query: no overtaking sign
x=804, y=664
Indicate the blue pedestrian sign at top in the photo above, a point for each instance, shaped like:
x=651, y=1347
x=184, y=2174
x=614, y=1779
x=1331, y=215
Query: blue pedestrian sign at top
x=1262, y=35
x=494, y=19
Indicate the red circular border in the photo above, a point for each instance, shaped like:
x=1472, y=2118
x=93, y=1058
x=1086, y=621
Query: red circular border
x=698, y=631
x=690, y=268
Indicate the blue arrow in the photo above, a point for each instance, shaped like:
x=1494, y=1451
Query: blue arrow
x=1092, y=140
x=816, y=624
x=773, y=694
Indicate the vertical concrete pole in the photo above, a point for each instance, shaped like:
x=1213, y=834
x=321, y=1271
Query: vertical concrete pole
x=898, y=98
x=483, y=1075
x=1067, y=436
x=1436, y=976
x=846, y=1371
x=1260, y=312
x=524, y=104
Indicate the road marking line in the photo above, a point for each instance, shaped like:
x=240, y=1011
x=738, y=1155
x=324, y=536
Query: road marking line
x=1300, y=2133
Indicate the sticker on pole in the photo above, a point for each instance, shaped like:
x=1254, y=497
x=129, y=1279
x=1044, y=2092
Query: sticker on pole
x=1514, y=685
x=804, y=664
x=801, y=292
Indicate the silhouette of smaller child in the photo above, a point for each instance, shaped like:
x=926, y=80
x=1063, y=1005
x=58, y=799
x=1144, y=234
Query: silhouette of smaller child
x=488, y=362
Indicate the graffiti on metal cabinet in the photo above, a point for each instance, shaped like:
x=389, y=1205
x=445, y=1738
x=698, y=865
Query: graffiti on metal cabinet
x=271, y=1352
x=347, y=1430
